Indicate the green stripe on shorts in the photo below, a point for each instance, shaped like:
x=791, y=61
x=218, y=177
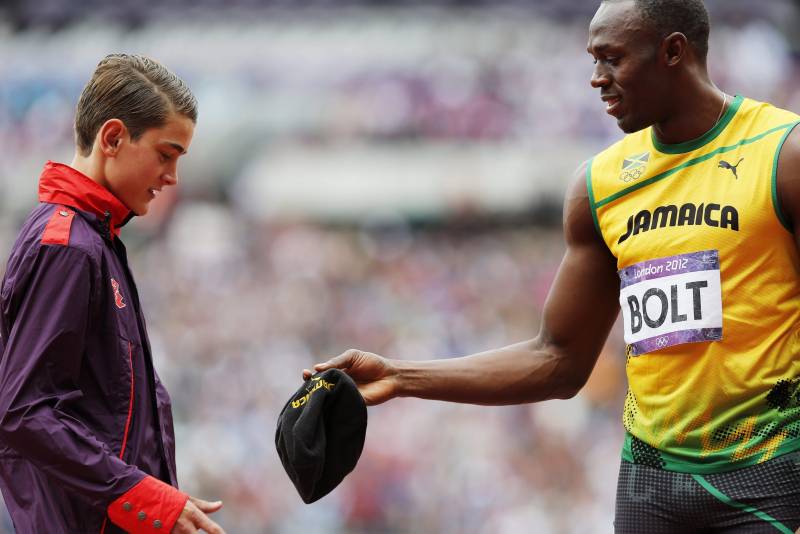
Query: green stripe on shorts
x=749, y=509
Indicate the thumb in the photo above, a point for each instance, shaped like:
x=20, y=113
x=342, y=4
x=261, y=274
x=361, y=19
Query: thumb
x=206, y=507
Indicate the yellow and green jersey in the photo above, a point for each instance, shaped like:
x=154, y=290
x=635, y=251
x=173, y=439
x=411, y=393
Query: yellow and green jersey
x=709, y=290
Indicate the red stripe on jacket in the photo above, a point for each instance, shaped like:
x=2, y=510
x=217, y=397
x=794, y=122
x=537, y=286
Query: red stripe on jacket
x=57, y=230
x=130, y=404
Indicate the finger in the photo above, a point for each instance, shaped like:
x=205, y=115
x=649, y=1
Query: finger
x=342, y=361
x=369, y=400
x=208, y=525
x=324, y=366
x=307, y=374
x=184, y=527
x=206, y=507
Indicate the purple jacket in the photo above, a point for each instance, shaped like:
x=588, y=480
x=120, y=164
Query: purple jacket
x=83, y=416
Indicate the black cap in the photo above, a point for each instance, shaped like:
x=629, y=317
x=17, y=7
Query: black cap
x=321, y=433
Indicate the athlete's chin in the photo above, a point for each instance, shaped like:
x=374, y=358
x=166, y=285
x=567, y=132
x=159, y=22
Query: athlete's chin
x=630, y=125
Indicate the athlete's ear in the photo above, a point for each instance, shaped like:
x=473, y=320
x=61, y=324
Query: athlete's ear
x=110, y=136
x=674, y=48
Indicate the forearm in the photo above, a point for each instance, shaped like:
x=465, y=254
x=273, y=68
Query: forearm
x=529, y=371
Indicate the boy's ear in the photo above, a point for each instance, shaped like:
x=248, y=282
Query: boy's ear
x=110, y=136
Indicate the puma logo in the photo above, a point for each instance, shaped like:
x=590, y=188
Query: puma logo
x=725, y=165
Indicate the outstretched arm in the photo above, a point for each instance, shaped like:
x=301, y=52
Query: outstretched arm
x=578, y=314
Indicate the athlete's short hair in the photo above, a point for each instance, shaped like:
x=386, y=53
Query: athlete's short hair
x=135, y=89
x=689, y=17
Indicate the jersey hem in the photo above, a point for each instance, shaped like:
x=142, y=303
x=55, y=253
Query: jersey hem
x=672, y=463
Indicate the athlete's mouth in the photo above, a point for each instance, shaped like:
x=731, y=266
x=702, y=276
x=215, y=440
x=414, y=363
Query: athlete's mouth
x=612, y=103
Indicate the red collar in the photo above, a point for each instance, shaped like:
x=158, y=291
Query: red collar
x=61, y=184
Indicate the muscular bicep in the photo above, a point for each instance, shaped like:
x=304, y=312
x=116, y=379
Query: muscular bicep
x=582, y=305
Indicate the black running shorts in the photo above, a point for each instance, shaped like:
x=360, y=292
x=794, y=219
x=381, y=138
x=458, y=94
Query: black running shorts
x=760, y=498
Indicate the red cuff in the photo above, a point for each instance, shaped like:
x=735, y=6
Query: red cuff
x=151, y=506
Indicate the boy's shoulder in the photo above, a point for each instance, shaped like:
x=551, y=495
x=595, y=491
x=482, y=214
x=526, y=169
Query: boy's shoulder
x=56, y=225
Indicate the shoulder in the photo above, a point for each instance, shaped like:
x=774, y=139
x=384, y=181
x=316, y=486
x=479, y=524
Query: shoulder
x=64, y=226
x=578, y=186
x=787, y=179
x=763, y=118
x=578, y=218
x=620, y=165
x=35, y=267
x=609, y=171
x=764, y=113
x=52, y=230
x=58, y=229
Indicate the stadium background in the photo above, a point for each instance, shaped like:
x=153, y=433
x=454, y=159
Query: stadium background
x=380, y=175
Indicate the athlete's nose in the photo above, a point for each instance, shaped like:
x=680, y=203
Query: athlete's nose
x=600, y=77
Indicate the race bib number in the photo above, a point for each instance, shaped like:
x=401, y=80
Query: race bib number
x=670, y=301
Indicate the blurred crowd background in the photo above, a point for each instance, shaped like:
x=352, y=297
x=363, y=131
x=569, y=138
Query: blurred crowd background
x=378, y=175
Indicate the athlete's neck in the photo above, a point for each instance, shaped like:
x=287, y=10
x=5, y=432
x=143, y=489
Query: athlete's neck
x=694, y=113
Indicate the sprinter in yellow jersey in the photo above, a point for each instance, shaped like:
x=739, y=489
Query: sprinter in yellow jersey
x=690, y=225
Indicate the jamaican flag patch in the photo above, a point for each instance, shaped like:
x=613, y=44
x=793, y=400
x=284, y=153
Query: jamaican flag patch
x=633, y=167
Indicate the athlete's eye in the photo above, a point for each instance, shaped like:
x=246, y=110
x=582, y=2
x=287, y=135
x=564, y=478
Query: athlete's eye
x=163, y=157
